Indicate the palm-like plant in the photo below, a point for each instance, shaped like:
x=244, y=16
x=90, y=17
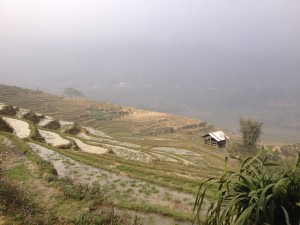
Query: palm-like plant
x=258, y=194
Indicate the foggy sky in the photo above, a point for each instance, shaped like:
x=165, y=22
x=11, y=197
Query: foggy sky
x=149, y=39
x=100, y=45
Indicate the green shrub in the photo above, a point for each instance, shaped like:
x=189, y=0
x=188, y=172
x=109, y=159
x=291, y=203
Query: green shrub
x=4, y=126
x=80, y=192
x=73, y=192
x=54, y=125
x=35, y=134
x=73, y=130
x=8, y=110
x=46, y=167
x=33, y=117
x=260, y=193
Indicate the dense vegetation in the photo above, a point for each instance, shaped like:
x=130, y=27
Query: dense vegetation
x=260, y=193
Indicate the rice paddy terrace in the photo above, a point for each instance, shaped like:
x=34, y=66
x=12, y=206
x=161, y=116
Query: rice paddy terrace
x=145, y=162
x=111, y=118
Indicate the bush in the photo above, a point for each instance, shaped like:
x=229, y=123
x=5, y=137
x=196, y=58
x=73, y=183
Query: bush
x=257, y=194
x=35, y=134
x=8, y=110
x=4, y=126
x=33, y=117
x=80, y=192
x=47, y=167
x=54, y=125
x=73, y=130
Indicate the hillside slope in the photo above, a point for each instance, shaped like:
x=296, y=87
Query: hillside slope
x=112, y=118
x=155, y=177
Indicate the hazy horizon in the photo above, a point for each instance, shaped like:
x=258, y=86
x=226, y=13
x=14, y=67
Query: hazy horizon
x=212, y=60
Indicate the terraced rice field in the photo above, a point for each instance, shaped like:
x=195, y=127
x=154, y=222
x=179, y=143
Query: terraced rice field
x=159, y=178
x=22, y=112
x=89, y=148
x=141, y=167
x=21, y=128
x=44, y=122
x=54, y=139
x=125, y=120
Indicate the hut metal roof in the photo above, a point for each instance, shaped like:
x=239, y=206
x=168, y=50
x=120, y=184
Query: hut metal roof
x=219, y=136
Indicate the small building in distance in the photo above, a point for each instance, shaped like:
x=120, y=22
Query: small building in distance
x=217, y=138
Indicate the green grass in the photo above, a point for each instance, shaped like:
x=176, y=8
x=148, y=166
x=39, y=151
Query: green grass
x=19, y=172
x=144, y=207
x=26, y=206
x=99, y=115
x=16, y=205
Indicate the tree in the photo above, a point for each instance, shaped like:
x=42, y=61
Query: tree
x=257, y=194
x=251, y=131
x=73, y=93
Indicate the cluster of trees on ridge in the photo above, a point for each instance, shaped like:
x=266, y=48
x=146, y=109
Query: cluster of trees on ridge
x=73, y=93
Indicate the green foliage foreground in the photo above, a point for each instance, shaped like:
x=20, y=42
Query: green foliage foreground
x=260, y=193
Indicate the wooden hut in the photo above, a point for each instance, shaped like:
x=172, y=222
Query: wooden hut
x=217, y=138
